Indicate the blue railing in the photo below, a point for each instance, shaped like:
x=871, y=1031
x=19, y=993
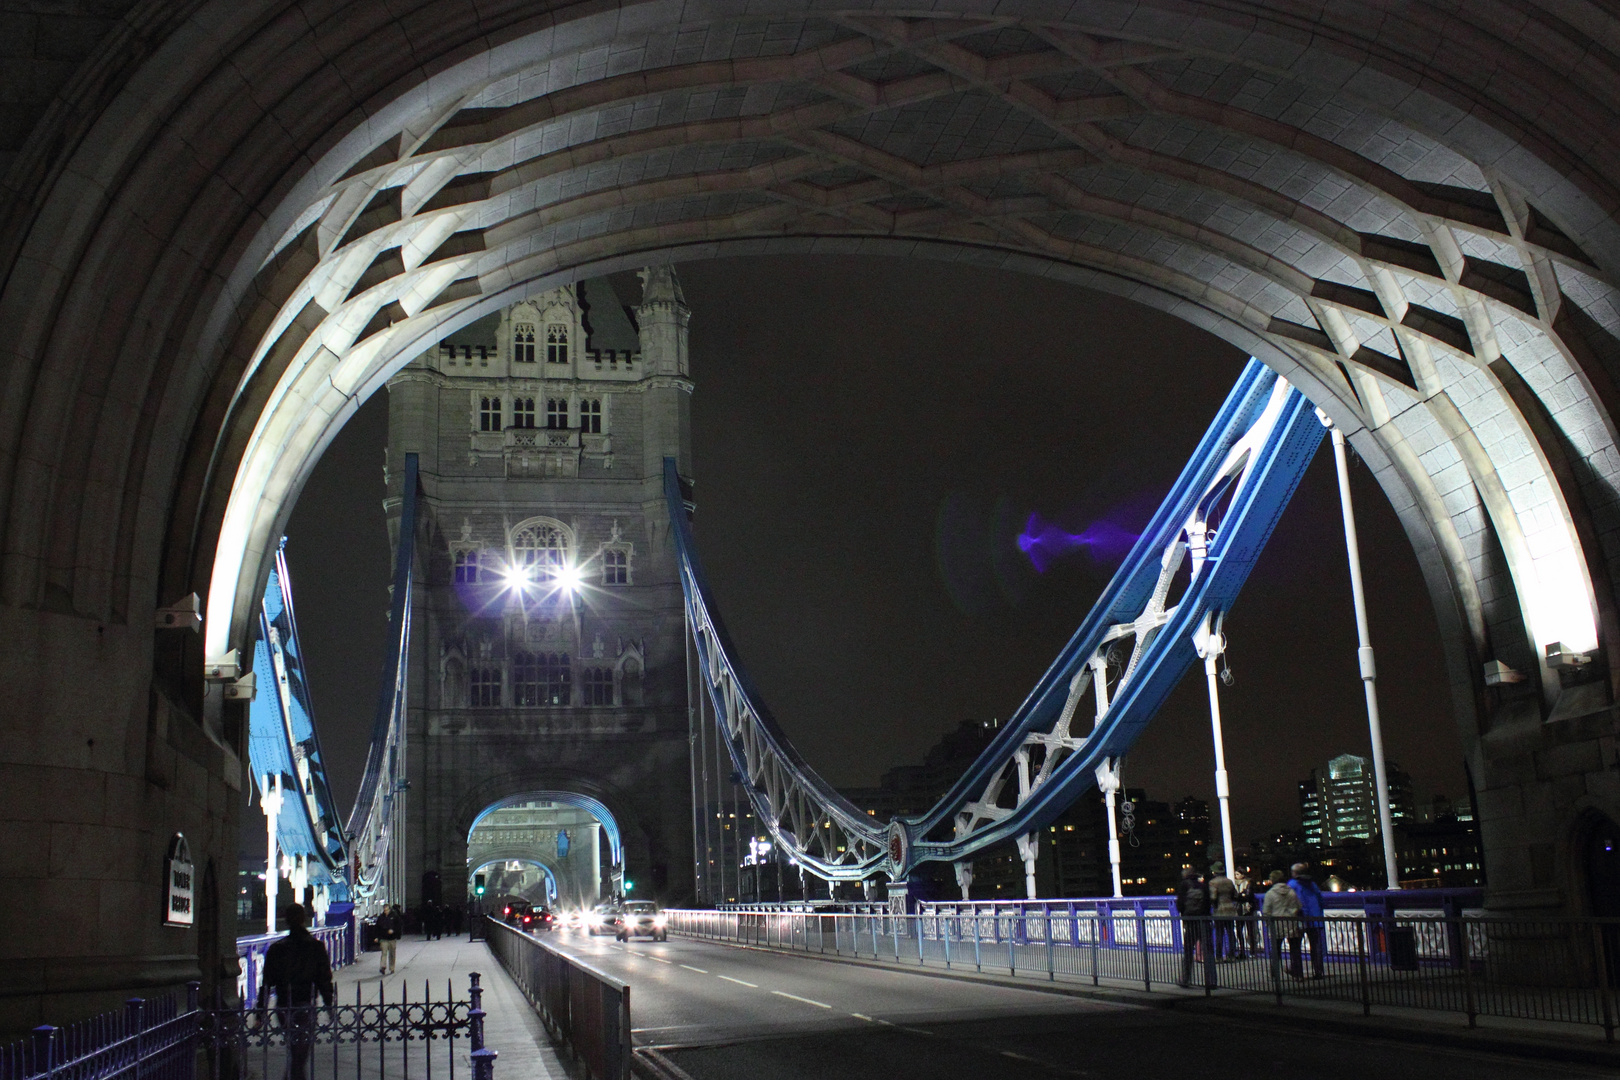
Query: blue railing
x=153, y=1040
x=339, y=942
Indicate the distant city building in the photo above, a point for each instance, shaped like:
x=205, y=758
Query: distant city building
x=1440, y=849
x=1340, y=803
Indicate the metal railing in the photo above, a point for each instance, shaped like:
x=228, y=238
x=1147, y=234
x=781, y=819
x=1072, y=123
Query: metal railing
x=1549, y=970
x=339, y=941
x=161, y=1040
x=583, y=1008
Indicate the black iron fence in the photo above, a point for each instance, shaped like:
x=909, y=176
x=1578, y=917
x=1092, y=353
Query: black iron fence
x=399, y=1039
x=1554, y=970
x=582, y=1008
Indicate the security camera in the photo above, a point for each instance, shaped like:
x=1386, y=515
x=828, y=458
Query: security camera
x=183, y=614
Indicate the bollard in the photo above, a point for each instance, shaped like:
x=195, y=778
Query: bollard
x=475, y=1016
x=44, y=1045
x=483, y=1063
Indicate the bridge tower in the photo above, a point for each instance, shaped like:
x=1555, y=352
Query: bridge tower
x=547, y=663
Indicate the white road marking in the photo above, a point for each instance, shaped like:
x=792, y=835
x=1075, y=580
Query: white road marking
x=660, y=959
x=689, y=967
x=739, y=982
x=860, y=1016
x=807, y=1001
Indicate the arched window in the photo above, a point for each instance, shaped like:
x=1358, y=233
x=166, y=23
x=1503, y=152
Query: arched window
x=486, y=687
x=523, y=412
x=466, y=567
x=556, y=343
x=590, y=416
x=556, y=413
x=489, y=414
x=541, y=548
x=598, y=686
x=615, y=568
x=542, y=679
x=523, y=343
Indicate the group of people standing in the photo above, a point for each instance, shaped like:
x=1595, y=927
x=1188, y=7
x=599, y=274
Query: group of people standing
x=1218, y=920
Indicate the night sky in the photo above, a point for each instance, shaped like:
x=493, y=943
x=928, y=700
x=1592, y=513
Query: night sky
x=870, y=436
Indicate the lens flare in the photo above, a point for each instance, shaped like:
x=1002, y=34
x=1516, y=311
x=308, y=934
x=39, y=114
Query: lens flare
x=1045, y=542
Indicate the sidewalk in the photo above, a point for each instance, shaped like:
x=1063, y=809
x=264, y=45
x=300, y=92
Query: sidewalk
x=434, y=969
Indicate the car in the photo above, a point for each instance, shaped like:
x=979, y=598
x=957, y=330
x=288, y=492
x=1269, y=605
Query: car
x=604, y=919
x=574, y=919
x=538, y=919
x=641, y=918
x=513, y=910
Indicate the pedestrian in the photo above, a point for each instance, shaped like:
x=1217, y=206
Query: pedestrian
x=1315, y=931
x=296, y=971
x=1248, y=935
x=390, y=925
x=1224, y=907
x=431, y=921
x=1280, y=909
x=1192, y=903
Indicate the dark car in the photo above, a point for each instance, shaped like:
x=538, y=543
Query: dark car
x=641, y=918
x=604, y=919
x=513, y=911
x=538, y=919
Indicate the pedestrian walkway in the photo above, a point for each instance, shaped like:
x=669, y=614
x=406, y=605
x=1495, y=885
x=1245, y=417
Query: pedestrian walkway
x=433, y=969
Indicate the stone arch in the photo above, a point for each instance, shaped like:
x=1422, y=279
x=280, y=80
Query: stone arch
x=213, y=193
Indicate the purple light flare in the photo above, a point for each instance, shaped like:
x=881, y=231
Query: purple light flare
x=1045, y=542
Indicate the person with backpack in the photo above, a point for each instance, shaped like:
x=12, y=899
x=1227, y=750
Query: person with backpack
x=1192, y=904
x=1311, y=924
x=1280, y=912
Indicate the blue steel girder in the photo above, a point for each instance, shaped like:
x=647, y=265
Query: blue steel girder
x=1134, y=646
x=283, y=740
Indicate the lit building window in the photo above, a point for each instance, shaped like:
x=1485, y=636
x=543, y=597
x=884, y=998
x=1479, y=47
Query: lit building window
x=556, y=343
x=590, y=417
x=466, y=567
x=540, y=549
x=523, y=412
x=489, y=414
x=615, y=568
x=541, y=679
x=598, y=686
x=556, y=413
x=486, y=687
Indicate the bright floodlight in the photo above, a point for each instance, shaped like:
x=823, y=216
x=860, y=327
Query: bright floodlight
x=516, y=577
x=569, y=578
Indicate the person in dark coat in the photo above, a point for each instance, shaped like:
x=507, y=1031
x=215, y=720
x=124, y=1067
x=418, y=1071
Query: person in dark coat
x=1192, y=903
x=297, y=971
x=390, y=927
x=432, y=920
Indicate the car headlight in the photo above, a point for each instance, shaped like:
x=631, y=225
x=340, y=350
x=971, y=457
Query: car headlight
x=660, y=920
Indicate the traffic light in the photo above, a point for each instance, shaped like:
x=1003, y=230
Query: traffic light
x=628, y=885
x=478, y=884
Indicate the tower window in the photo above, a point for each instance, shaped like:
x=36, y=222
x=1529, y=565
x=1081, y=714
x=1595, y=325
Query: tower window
x=541, y=550
x=523, y=343
x=523, y=412
x=486, y=687
x=556, y=343
x=542, y=679
x=590, y=416
x=598, y=686
x=489, y=414
x=615, y=568
x=466, y=567
x=556, y=413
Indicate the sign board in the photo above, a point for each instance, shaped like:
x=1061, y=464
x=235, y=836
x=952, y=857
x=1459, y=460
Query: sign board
x=179, y=890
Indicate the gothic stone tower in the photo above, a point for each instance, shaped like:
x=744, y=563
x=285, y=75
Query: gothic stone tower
x=541, y=433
